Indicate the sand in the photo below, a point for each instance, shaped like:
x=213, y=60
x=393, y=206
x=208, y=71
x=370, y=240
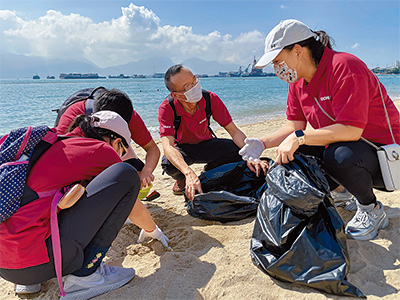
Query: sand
x=211, y=260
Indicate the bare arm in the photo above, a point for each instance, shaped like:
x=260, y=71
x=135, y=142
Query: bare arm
x=141, y=217
x=175, y=157
x=322, y=136
x=237, y=135
x=151, y=161
x=276, y=138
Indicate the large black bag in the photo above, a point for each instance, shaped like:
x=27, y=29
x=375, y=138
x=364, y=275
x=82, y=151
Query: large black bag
x=298, y=235
x=231, y=193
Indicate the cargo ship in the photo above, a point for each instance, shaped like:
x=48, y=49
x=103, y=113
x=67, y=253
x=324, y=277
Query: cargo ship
x=80, y=76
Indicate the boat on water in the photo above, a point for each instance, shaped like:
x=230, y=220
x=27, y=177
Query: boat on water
x=120, y=76
x=50, y=77
x=253, y=72
x=36, y=76
x=80, y=76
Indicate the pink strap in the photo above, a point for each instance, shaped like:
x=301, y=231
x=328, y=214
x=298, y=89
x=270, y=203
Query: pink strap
x=55, y=240
x=51, y=136
x=3, y=139
x=24, y=142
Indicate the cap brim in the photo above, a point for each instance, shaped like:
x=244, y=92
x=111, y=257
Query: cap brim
x=267, y=58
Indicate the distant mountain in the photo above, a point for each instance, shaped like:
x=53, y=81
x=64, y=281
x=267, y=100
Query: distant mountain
x=147, y=66
x=20, y=66
x=200, y=66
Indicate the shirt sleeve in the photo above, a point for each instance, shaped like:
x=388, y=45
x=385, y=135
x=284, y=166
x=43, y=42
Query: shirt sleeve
x=166, y=119
x=294, y=111
x=139, y=132
x=219, y=111
x=69, y=116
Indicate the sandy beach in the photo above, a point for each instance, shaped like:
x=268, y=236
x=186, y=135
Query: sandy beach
x=211, y=260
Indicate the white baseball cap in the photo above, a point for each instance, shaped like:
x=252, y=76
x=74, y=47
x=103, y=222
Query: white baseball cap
x=286, y=33
x=110, y=120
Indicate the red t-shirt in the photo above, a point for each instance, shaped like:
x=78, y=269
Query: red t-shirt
x=348, y=91
x=139, y=132
x=193, y=129
x=22, y=236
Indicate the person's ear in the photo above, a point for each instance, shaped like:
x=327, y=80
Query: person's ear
x=118, y=147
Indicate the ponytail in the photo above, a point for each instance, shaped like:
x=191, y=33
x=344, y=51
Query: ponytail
x=315, y=45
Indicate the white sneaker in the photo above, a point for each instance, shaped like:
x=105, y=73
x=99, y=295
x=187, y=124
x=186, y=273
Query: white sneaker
x=21, y=289
x=366, y=222
x=105, y=279
x=345, y=200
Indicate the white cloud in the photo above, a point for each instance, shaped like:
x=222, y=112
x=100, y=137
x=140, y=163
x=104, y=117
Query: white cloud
x=283, y=6
x=356, y=45
x=135, y=35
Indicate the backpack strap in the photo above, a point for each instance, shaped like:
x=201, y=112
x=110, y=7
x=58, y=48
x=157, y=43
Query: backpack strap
x=207, y=97
x=177, y=119
x=89, y=106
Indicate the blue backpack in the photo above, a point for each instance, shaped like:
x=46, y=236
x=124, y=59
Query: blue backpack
x=19, y=151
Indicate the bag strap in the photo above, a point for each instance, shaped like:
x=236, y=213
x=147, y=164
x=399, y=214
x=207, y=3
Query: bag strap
x=384, y=107
x=177, y=119
x=55, y=240
x=207, y=97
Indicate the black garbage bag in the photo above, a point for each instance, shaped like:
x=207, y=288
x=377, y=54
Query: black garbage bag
x=230, y=193
x=298, y=235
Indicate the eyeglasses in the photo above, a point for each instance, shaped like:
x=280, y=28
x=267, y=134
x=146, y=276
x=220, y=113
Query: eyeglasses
x=189, y=86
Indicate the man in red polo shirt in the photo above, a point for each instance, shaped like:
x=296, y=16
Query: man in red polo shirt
x=193, y=142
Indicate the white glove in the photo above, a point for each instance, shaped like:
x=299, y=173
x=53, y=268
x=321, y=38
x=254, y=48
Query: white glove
x=252, y=149
x=155, y=234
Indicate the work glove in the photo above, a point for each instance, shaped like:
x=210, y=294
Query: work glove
x=155, y=234
x=252, y=149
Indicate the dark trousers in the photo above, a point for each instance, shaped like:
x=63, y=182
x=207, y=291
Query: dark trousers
x=354, y=165
x=214, y=152
x=89, y=227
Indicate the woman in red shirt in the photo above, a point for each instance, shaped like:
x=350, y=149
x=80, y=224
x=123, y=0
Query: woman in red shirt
x=88, y=228
x=343, y=101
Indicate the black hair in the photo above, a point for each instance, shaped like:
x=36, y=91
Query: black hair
x=175, y=69
x=315, y=45
x=85, y=123
x=117, y=101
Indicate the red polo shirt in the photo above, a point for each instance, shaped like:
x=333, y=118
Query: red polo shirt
x=139, y=132
x=193, y=129
x=348, y=91
x=23, y=235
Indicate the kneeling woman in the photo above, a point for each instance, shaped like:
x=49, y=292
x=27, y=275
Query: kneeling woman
x=87, y=229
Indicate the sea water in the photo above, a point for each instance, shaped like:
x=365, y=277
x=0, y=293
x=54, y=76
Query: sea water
x=30, y=102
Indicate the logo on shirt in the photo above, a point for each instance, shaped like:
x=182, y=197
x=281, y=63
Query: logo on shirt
x=202, y=121
x=325, y=98
x=167, y=126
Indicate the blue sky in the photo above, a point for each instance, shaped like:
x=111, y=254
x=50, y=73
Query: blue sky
x=226, y=31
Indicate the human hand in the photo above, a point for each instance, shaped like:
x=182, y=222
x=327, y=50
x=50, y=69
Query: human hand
x=257, y=166
x=192, y=185
x=285, y=151
x=146, y=178
x=252, y=149
x=155, y=234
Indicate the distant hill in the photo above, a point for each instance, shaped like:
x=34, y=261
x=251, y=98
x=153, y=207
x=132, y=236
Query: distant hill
x=20, y=66
x=200, y=66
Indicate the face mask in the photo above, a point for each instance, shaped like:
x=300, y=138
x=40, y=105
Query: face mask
x=285, y=73
x=194, y=94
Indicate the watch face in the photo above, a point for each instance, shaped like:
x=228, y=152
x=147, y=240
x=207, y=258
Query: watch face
x=299, y=133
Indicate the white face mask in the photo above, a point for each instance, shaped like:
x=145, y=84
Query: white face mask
x=285, y=73
x=194, y=94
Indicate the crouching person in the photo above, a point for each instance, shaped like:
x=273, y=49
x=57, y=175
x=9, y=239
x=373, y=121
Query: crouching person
x=92, y=155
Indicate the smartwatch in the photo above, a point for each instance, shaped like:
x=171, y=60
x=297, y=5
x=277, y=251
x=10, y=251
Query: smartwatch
x=300, y=137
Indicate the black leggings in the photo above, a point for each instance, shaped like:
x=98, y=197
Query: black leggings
x=90, y=226
x=354, y=165
x=214, y=152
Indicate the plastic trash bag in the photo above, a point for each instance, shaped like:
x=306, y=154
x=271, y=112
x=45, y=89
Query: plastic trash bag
x=298, y=235
x=230, y=193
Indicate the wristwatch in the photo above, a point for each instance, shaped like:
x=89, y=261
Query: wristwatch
x=300, y=136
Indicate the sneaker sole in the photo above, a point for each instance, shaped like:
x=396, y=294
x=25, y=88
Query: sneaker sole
x=93, y=292
x=177, y=193
x=384, y=222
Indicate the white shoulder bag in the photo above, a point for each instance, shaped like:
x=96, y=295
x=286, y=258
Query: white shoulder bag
x=388, y=155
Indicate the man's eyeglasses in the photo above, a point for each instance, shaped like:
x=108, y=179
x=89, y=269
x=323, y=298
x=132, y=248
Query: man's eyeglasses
x=189, y=86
